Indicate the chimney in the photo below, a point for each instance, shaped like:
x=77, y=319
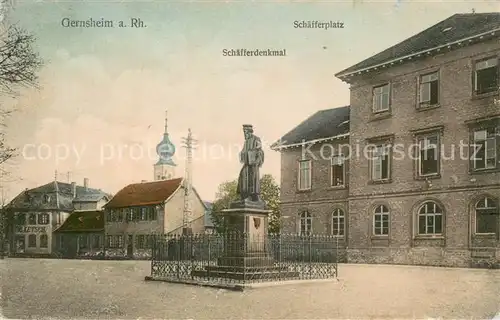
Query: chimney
x=86, y=183
x=73, y=188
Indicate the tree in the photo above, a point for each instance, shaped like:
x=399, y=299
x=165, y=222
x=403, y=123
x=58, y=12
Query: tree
x=19, y=63
x=19, y=66
x=270, y=193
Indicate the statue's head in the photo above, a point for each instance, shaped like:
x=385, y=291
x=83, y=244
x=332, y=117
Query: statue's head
x=247, y=130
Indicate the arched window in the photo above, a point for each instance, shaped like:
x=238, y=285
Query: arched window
x=381, y=221
x=305, y=223
x=46, y=198
x=338, y=222
x=430, y=219
x=487, y=216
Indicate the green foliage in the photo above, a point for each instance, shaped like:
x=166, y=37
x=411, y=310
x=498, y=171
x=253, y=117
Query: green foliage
x=226, y=194
x=270, y=193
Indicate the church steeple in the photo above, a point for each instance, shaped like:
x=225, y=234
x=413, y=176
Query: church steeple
x=166, y=122
x=164, y=168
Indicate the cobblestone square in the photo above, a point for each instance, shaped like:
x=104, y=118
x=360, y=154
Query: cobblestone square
x=37, y=288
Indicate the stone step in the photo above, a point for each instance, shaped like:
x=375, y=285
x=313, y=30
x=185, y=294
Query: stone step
x=246, y=269
x=236, y=275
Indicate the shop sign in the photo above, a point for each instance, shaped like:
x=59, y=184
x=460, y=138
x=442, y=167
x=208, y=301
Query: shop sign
x=31, y=229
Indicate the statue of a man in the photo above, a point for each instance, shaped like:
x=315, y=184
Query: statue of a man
x=252, y=158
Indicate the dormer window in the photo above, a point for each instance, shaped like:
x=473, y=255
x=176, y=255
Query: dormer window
x=46, y=198
x=28, y=198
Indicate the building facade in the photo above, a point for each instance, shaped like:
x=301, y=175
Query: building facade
x=424, y=135
x=81, y=235
x=36, y=213
x=141, y=210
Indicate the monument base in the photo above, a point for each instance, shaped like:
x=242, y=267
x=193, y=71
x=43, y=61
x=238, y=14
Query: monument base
x=246, y=273
x=248, y=204
x=246, y=253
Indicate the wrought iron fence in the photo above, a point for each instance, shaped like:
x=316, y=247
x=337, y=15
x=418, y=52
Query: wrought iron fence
x=239, y=258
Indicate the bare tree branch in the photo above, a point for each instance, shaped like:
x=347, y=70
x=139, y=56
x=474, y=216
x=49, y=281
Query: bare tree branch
x=19, y=63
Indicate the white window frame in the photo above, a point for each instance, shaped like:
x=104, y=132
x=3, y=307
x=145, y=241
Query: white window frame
x=477, y=208
x=424, y=142
x=384, y=211
x=333, y=162
x=486, y=139
x=338, y=215
x=376, y=155
x=305, y=218
x=300, y=178
x=484, y=64
x=43, y=218
x=433, y=214
x=378, y=93
x=425, y=82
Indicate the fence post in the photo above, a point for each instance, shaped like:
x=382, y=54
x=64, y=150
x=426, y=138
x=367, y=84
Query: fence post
x=178, y=243
x=241, y=240
x=337, y=259
x=153, y=249
x=310, y=256
x=279, y=254
x=209, y=256
x=191, y=237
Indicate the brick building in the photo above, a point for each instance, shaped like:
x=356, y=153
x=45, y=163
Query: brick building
x=36, y=213
x=424, y=134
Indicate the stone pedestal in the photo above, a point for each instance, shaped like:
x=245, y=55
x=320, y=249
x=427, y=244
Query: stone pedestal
x=246, y=252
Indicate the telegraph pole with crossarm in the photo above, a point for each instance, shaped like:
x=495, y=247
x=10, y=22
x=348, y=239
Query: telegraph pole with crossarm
x=187, y=143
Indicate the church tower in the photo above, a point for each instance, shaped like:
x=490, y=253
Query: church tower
x=164, y=169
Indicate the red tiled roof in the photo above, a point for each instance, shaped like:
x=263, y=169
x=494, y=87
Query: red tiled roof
x=146, y=193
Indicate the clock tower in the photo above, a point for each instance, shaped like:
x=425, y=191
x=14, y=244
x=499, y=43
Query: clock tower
x=164, y=169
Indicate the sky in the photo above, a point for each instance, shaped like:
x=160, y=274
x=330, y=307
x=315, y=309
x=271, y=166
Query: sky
x=99, y=110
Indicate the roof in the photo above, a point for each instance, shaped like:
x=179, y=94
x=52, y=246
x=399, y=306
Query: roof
x=208, y=204
x=83, y=221
x=63, y=201
x=455, y=28
x=146, y=193
x=321, y=125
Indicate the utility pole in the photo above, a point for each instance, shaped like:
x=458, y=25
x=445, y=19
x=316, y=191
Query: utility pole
x=187, y=214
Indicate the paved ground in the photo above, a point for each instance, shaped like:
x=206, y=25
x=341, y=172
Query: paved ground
x=34, y=288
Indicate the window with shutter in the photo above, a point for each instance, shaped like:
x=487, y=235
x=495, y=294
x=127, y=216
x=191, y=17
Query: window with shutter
x=484, y=150
x=428, y=158
x=380, y=163
x=429, y=89
x=486, y=76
